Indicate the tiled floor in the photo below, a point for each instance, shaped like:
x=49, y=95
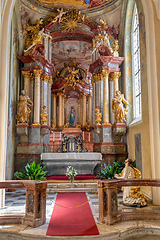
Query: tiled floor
x=15, y=203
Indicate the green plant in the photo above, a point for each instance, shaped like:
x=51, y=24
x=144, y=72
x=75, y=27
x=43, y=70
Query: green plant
x=32, y=172
x=108, y=172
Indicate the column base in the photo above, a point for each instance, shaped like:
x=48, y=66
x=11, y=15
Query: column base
x=106, y=123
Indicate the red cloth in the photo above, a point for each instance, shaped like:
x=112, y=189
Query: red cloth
x=78, y=177
x=72, y=221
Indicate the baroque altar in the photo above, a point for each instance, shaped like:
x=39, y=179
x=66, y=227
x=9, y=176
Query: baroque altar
x=73, y=86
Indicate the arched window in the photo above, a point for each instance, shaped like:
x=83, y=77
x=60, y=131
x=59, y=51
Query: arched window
x=136, y=71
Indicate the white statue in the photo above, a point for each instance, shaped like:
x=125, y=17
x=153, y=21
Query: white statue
x=132, y=195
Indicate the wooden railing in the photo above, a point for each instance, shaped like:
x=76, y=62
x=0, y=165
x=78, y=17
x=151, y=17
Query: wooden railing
x=108, y=202
x=35, y=212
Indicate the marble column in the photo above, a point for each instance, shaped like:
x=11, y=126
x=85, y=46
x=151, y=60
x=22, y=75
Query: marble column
x=115, y=77
x=49, y=99
x=26, y=75
x=60, y=123
x=105, y=74
x=63, y=110
x=94, y=98
x=79, y=113
x=89, y=109
x=81, y=108
x=37, y=74
x=54, y=97
x=84, y=109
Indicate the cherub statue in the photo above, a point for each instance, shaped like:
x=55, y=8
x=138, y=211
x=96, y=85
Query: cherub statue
x=44, y=116
x=23, y=110
x=132, y=196
x=98, y=116
x=120, y=113
x=59, y=15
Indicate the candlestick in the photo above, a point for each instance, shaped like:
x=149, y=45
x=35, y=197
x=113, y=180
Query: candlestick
x=83, y=135
x=53, y=136
x=60, y=136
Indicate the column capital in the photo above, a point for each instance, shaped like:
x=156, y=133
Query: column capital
x=80, y=95
x=50, y=81
x=89, y=95
x=78, y=101
x=54, y=95
x=37, y=73
x=114, y=75
x=105, y=73
x=46, y=78
x=60, y=94
x=31, y=76
x=26, y=74
x=84, y=94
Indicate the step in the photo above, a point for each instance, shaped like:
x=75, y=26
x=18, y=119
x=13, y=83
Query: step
x=77, y=187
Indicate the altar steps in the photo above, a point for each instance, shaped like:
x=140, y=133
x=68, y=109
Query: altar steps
x=78, y=186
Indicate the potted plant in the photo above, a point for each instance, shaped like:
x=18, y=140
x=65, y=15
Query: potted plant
x=32, y=172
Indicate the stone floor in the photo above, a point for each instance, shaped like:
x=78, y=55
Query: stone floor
x=130, y=230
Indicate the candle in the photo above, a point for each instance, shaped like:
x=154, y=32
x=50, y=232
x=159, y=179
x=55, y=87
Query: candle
x=60, y=136
x=53, y=136
x=89, y=137
x=83, y=135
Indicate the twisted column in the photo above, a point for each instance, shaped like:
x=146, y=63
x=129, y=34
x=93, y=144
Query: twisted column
x=37, y=74
x=89, y=109
x=114, y=76
x=26, y=75
x=105, y=74
x=54, y=97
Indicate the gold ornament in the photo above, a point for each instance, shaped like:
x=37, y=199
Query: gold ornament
x=115, y=45
x=88, y=127
x=53, y=124
x=98, y=116
x=23, y=110
x=66, y=125
x=71, y=80
x=44, y=116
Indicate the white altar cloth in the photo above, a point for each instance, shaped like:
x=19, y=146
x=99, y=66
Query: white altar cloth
x=80, y=156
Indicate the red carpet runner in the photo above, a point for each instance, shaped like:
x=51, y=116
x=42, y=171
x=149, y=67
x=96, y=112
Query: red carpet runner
x=72, y=221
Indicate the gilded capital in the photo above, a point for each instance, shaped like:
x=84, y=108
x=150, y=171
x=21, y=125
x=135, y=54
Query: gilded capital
x=115, y=75
x=50, y=80
x=37, y=73
x=31, y=76
x=26, y=74
x=46, y=78
x=105, y=73
x=89, y=95
x=80, y=95
x=54, y=95
x=60, y=94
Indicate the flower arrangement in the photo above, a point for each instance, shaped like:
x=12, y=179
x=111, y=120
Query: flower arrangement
x=71, y=173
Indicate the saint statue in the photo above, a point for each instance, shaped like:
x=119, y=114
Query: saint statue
x=23, y=110
x=72, y=116
x=132, y=196
x=120, y=113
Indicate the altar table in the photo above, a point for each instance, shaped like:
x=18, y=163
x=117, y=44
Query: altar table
x=84, y=163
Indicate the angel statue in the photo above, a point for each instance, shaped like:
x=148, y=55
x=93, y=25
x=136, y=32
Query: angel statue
x=132, y=196
x=120, y=113
x=23, y=110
